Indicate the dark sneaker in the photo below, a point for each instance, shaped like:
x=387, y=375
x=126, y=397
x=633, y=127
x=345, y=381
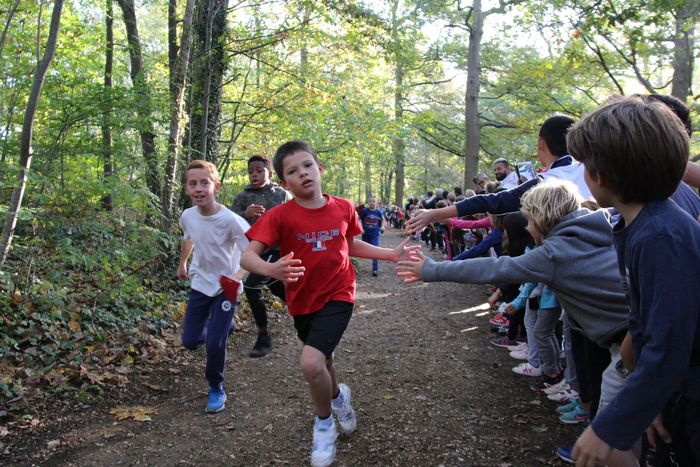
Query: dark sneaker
x=374, y=273
x=262, y=346
x=564, y=453
x=216, y=400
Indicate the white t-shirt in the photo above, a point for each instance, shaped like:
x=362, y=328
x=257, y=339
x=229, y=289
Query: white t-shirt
x=219, y=240
x=572, y=172
x=511, y=181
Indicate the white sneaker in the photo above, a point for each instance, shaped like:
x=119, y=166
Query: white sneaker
x=519, y=355
x=521, y=347
x=526, y=369
x=342, y=408
x=555, y=388
x=567, y=395
x=323, y=449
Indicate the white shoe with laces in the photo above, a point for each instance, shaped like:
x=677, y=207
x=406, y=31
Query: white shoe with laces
x=567, y=395
x=555, y=388
x=526, y=369
x=323, y=448
x=342, y=408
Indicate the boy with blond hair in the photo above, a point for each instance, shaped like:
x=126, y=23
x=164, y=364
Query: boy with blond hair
x=217, y=237
x=316, y=234
x=635, y=153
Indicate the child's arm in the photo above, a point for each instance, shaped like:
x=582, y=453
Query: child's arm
x=362, y=249
x=494, y=297
x=692, y=175
x=185, y=251
x=285, y=269
x=423, y=217
x=484, y=223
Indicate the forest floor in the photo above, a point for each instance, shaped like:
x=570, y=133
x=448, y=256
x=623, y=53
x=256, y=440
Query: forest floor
x=427, y=386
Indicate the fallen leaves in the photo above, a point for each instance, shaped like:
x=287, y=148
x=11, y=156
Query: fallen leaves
x=137, y=412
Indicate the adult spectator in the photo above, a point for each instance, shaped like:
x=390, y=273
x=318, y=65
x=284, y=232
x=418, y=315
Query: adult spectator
x=505, y=174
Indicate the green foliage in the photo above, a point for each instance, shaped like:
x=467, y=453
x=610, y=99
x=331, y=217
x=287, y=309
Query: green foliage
x=78, y=276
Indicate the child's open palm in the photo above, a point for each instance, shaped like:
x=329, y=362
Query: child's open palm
x=405, y=253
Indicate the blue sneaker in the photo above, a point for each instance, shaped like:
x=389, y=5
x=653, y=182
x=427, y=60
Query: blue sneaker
x=564, y=453
x=568, y=407
x=216, y=401
x=578, y=415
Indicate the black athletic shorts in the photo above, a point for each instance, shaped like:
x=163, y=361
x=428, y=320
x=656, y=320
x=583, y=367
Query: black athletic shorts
x=324, y=328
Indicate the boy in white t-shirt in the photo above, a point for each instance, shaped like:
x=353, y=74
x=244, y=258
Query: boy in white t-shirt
x=217, y=237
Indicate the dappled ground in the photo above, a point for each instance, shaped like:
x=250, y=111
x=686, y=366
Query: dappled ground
x=427, y=386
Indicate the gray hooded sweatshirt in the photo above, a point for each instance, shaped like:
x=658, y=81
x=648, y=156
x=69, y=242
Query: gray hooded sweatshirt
x=577, y=260
x=268, y=196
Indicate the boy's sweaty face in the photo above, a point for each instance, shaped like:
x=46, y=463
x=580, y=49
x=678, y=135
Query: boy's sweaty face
x=302, y=175
x=258, y=174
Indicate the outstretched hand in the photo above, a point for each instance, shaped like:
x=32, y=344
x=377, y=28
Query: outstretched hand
x=590, y=450
x=287, y=269
x=405, y=253
x=411, y=269
x=419, y=220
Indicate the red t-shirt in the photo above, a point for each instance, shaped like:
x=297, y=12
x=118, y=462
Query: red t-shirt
x=318, y=237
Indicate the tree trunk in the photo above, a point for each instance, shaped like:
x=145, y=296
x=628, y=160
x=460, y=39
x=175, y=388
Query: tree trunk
x=9, y=123
x=27, y=130
x=367, y=160
x=10, y=14
x=304, y=52
x=209, y=34
x=172, y=39
x=108, y=165
x=398, y=144
x=138, y=78
x=177, y=99
x=683, y=47
x=471, y=102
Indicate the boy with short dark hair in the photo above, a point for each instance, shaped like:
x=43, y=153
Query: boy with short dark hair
x=315, y=232
x=635, y=153
x=253, y=201
x=217, y=237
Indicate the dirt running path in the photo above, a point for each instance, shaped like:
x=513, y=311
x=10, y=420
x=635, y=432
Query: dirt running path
x=427, y=386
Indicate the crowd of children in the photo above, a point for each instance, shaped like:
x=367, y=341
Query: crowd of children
x=628, y=290
x=620, y=303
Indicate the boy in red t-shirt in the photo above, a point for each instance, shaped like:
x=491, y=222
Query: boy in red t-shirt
x=315, y=233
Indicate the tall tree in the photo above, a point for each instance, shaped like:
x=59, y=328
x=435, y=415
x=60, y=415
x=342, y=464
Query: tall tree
x=8, y=20
x=686, y=15
x=208, y=68
x=107, y=163
x=144, y=111
x=177, y=100
x=26, y=151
